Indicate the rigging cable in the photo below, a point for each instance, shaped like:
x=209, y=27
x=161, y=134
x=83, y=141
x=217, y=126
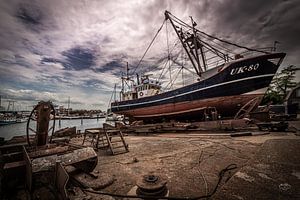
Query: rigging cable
x=237, y=45
x=171, y=86
x=149, y=46
x=221, y=40
x=162, y=71
x=181, y=65
x=168, y=52
x=171, y=83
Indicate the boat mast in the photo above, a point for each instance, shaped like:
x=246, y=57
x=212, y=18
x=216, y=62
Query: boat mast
x=196, y=47
x=124, y=81
x=196, y=44
x=122, y=90
x=167, y=16
x=127, y=70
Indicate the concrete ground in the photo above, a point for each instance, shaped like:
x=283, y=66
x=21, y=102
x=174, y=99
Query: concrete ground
x=267, y=166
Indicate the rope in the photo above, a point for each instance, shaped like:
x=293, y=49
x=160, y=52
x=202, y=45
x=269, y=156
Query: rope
x=171, y=83
x=149, y=46
x=221, y=175
x=237, y=45
x=162, y=71
x=221, y=40
x=168, y=52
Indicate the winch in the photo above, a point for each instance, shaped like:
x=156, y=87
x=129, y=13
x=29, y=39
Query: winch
x=44, y=155
x=151, y=185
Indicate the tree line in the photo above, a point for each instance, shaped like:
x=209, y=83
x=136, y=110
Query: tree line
x=281, y=84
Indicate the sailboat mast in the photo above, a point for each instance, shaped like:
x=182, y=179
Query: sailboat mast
x=167, y=16
x=68, y=106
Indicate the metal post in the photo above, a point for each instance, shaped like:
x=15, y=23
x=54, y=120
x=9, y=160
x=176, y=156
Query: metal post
x=42, y=122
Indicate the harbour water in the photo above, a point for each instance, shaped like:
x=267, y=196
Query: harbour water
x=9, y=131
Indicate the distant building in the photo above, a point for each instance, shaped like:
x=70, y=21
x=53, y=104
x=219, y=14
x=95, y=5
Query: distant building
x=61, y=110
x=292, y=100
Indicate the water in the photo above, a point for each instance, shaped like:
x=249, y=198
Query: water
x=9, y=131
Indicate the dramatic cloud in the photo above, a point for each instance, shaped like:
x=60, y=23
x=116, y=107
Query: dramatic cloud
x=50, y=50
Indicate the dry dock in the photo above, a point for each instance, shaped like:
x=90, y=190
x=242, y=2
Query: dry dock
x=267, y=166
x=195, y=165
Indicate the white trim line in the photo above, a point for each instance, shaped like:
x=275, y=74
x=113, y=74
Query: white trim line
x=200, y=89
x=259, y=91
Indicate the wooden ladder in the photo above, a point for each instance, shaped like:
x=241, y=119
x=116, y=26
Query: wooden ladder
x=109, y=138
x=116, y=141
x=91, y=136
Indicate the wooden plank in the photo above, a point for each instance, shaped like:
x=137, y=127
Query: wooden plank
x=48, y=162
x=11, y=146
x=11, y=165
x=47, y=152
x=28, y=169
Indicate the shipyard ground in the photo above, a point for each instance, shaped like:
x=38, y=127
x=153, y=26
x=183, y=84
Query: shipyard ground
x=267, y=166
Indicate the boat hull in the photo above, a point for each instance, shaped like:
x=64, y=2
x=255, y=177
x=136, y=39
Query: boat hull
x=226, y=107
x=227, y=91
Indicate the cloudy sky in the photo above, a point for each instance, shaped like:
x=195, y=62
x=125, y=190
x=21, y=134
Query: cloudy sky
x=52, y=50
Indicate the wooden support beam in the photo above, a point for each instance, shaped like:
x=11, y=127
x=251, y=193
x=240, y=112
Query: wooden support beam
x=48, y=152
x=48, y=162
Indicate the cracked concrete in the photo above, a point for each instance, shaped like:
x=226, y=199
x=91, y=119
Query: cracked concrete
x=192, y=164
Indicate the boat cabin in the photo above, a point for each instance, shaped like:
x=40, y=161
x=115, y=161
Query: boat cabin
x=145, y=88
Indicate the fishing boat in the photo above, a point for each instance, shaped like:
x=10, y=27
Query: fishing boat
x=231, y=78
x=7, y=120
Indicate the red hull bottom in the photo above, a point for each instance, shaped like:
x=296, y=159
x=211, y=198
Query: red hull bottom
x=226, y=106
